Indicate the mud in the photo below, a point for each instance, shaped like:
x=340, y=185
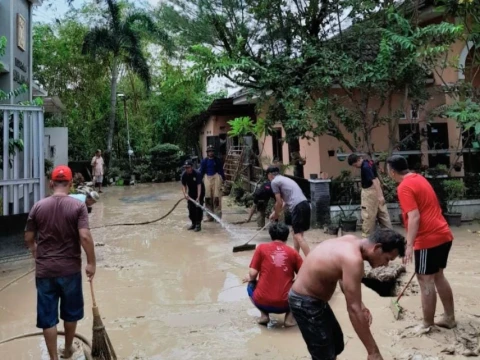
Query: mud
x=167, y=293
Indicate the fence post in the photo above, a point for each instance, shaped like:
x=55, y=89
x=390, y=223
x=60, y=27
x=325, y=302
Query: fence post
x=320, y=201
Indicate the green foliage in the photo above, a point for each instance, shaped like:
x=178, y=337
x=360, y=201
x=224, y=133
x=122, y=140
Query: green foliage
x=299, y=50
x=244, y=126
x=454, y=191
x=165, y=157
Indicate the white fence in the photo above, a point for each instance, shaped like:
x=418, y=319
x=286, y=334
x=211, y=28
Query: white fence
x=22, y=181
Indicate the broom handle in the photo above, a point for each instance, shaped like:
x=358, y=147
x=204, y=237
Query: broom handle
x=93, y=294
x=258, y=232
x=406, y=286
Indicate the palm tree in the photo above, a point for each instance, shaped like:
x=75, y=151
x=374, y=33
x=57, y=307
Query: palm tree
x=120, y=39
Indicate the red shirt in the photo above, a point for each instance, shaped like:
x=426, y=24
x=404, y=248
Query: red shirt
x=277, y=264
x=415, y=192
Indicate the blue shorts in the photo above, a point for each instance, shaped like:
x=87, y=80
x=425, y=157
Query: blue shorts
x=266, y=309
x=67, y=290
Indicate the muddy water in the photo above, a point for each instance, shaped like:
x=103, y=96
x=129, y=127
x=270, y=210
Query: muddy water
x=167, y=293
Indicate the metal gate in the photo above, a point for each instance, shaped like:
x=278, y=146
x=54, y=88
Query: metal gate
x=22, y=182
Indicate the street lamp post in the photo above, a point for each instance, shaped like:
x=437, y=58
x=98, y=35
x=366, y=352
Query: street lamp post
x=130, y=151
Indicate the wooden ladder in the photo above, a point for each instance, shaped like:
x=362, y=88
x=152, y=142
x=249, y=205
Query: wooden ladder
x=233, y=163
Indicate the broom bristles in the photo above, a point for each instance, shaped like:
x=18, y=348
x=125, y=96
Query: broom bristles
x=102, y=348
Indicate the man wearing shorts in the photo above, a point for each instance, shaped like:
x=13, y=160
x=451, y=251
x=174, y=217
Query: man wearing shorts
x=56, y=229
x=271, y=275
x=372, y=200
x=287, y=191
x=428, y=237
x=339, y=260
x=97, y=170
x=211, y=169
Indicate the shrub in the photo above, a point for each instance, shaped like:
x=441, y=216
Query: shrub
x=454, y=191
x=145, y=178
x=165, y=157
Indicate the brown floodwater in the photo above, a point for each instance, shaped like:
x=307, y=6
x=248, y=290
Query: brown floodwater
x=171, y=294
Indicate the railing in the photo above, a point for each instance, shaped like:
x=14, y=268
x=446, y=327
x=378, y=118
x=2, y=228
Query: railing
x=348, y=192
x=23, y=158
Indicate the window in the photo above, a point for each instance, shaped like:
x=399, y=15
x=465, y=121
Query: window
x=438, y=136
x=293, y=147
x=409, y=137
x=277, y=145
x=413, y=113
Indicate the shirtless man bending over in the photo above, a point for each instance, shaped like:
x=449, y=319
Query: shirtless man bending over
x=339, y=260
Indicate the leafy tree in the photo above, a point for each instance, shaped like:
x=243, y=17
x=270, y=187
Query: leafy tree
x=120, y=38
x=299, y=50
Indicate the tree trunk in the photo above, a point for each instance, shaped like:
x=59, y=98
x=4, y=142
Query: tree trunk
x=113, y=108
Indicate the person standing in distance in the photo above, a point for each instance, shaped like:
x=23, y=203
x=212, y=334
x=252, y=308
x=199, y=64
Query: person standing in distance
x=287, y=191
x=97, y=170
x=428, y=237
x=57, y=228
x=211, y=169
x=193, y=188
x=372, y=202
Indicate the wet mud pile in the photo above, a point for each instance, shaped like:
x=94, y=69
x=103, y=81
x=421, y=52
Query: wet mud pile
x=383, y=280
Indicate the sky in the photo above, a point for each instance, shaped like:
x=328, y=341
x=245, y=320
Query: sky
x=59, y=8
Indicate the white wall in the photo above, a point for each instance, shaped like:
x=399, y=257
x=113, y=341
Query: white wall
x=56, y=145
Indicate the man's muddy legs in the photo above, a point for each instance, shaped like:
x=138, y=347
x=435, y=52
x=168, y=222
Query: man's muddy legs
x=446, y=296
x=289, y=320
x=429, y=298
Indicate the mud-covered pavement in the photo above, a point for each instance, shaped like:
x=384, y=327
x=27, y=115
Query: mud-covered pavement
x=168, y=293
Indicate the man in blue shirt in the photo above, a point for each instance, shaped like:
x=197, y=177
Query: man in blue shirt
x=211, y=170
x=373, y=202
x=193, y=188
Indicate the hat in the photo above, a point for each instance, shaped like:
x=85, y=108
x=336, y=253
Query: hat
x=62, y=173
x=94, y=195
x=188, y=163
x=272, y=169
x=210, y=148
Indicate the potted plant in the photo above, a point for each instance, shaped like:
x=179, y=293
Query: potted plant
x=454, y=191
x=126, y=177
x=332, y=227
x=348, y=220
x=458, y=166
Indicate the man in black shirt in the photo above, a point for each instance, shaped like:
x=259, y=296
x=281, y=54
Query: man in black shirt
x=192, y=186
x=260, y=199
x=373, y=202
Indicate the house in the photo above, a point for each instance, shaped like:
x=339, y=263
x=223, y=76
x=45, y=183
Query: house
x=440, y=142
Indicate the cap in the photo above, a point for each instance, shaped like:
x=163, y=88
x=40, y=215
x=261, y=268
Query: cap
x=210, y=148
x=94, y=195
x=188, y=163
x=272, y=169
x=62, y=173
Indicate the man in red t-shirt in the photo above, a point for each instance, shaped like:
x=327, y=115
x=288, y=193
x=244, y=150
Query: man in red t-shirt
x=271, y=275
x=428, y=236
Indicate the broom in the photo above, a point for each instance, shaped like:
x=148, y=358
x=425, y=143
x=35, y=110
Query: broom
x=247, y=246
x=395, y=306
x=102, y=348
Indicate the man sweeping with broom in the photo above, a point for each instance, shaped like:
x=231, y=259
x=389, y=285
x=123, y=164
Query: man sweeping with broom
x=59, y=224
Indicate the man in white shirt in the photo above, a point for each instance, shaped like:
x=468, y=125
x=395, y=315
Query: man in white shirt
x=97, y=170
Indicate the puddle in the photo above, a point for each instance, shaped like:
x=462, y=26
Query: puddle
x=167, y=293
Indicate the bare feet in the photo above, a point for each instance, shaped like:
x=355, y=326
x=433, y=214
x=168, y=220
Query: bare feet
x=447, y=322
x=263, y=319
x=289, y=320
x=66, y=353
x=422, y=329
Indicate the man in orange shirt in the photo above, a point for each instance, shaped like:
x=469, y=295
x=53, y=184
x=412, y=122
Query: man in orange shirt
x=428, y=237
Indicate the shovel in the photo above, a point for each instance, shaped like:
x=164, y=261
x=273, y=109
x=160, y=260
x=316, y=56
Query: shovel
x=395, y=306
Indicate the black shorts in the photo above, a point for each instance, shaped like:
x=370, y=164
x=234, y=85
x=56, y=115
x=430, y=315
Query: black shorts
x=301, y=217
x=319, y=327
x=430, y=261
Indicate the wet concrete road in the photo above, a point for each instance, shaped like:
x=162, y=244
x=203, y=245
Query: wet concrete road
x=171, y=294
